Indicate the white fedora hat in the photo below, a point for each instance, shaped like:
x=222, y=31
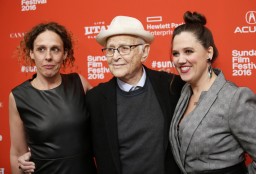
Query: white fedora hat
x=124, y=25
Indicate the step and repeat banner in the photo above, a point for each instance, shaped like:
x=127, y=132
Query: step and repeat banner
x=233, y=24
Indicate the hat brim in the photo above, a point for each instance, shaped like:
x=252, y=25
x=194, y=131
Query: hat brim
x=102, y=37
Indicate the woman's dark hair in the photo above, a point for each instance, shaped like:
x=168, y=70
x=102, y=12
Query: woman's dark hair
x=27, y=43
x=195, y=23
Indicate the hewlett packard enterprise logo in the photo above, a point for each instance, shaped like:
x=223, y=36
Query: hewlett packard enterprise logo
x=158, y=27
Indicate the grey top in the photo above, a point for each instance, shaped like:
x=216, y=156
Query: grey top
x=220, y=129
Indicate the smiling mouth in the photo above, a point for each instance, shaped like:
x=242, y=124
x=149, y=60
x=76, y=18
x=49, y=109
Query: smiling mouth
x=184, y=69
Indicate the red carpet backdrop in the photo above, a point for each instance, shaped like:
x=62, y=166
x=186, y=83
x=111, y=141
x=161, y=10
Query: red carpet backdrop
x=233, y=24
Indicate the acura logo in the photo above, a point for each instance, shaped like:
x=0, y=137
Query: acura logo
x=250, y=17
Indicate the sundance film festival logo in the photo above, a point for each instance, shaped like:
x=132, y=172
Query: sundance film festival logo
x=92, y=31
x=1, y=139
x=163, y=65
x=250, y=18
x=97, y=67
x=30, y=5
x=28, y=69
x=1, y=170
x=242, y=62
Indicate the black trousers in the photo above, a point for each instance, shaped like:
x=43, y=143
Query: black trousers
x=239, y=168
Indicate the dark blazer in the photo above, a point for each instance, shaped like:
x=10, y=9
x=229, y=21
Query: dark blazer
x=102, y=107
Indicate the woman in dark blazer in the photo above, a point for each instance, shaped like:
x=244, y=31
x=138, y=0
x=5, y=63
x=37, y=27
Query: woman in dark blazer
x=214, y=122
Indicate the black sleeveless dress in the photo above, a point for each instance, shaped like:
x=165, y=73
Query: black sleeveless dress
x=56, y=126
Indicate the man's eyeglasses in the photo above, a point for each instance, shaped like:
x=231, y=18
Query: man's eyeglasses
x=122, y=50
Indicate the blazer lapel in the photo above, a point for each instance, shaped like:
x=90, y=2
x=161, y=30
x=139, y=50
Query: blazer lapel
x=110, y=118
x=161, y=91
x=174, y=132
x=205, y=103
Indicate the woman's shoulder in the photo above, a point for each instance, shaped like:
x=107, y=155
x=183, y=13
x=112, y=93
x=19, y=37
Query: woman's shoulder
x=70, y=75
x=76, y=78
x=237, y=93
x=22, y=86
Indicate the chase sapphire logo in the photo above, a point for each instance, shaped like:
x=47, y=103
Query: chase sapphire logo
x=250, y=17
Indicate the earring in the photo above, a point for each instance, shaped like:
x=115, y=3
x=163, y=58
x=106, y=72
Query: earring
x=209, y=68
x=210, y=71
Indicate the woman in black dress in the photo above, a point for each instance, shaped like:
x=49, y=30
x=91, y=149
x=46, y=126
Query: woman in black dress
x=47, y=112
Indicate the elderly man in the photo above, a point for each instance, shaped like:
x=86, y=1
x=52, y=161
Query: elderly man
x=131, y=113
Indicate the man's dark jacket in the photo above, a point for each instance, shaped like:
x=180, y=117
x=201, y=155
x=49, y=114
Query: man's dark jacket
x=101, y=104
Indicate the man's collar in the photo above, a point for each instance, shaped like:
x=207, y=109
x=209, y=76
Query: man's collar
x=126, y=87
